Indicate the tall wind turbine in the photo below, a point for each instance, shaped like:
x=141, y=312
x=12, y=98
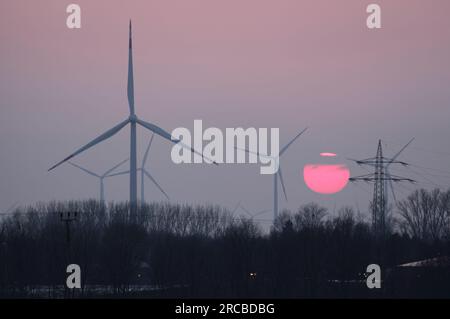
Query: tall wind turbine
x=278, y=174
x=100, y=177
x=145, y=173
x=133, y=120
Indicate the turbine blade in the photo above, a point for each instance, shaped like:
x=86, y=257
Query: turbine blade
x=392, y=190
x=261, y=212
x=251, y=152
x=84, y=169
x=391, y=186
x=247, y=211
x=399, y=152
x=196, y=152
x=236, y=207
x=95, y=141
x=130, y=86
x=114, y=168
x=280, y=153
x=282, y=182
x=167, y=136
x=118, y=173
x=284, y=149
x=10, y=208
x=156, y=183
x=146, y=151
x=157, y=130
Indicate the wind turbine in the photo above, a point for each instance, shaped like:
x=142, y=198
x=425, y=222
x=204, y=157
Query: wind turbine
x=145, y=173
x=100, y=177
x=133, y=120
x=278, y=174
x=10, y=208
x=246, y=211
x=389, y=179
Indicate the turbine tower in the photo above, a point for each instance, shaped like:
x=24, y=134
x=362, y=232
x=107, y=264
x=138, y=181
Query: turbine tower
x=133, y=120
x=277, y=174
x=382, y=180
x=100, y=177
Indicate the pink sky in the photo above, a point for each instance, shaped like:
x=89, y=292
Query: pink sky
x=285, y=63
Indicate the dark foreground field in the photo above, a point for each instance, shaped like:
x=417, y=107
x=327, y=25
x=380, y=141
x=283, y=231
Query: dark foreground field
x=171, y=251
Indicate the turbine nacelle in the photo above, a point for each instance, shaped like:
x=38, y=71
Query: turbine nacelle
x=133, y=118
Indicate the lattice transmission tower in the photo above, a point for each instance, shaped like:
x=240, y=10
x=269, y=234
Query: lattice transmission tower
x=382, y=179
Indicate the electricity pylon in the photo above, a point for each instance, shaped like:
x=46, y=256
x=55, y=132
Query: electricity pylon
x=382, y=180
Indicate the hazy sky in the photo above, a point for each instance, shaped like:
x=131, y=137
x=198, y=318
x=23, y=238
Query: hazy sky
x=285, y=63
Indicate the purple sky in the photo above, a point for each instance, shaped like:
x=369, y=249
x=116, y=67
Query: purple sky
x=287, y=64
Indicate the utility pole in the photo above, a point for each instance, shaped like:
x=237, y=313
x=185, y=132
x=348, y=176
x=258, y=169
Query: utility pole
x=382, y=180
x=4, y=274
x=68, y=218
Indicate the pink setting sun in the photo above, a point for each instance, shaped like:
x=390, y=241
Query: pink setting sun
x=326, y=179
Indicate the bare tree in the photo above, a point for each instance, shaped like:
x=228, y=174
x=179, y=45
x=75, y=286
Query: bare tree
x=309, y=216
x=426, y=214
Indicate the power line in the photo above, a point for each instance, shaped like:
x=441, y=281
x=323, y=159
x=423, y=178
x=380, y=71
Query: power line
x=426, y=178
x=422, y=149
x=433, y=169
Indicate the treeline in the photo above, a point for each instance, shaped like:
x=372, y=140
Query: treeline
x=168, y=250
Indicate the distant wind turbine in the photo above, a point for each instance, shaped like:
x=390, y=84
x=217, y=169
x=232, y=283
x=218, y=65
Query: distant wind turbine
x=100, y=177
x=278, y=174
x=389, y=180
x=247, y=212
x=145, y=173
x=11, y=208
x=133, y=120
